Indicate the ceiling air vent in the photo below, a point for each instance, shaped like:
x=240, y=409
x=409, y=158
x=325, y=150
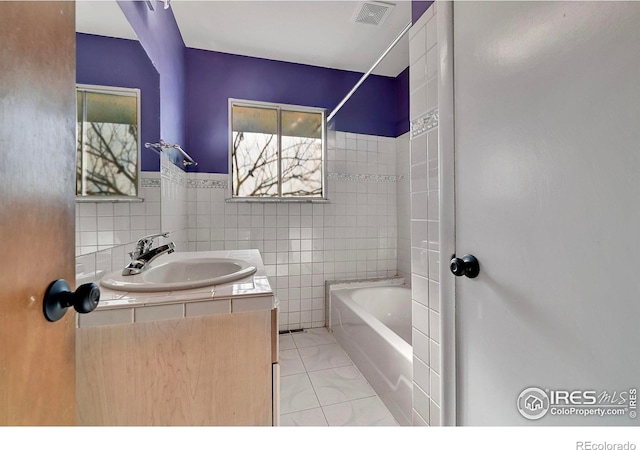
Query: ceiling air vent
x=372, y=13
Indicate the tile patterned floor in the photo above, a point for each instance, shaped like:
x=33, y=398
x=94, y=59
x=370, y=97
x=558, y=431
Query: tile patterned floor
x=320, y=386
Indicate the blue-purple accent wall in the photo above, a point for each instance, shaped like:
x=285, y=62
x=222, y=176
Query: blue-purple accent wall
x=107, y=61
x=159, y=35
x=214, y=77
x=402, y=103
x=418, y=7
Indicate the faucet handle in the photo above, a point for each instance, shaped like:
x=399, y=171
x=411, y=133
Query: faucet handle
x=144, y=244
x=151, y=237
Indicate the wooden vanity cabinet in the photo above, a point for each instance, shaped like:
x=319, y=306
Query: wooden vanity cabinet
x=211, y=370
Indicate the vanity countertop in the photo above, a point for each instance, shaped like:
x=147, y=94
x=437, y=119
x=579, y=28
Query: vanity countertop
x=247, y=294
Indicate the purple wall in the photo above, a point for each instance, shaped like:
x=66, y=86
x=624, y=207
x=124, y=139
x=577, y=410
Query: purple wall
x=214, y=77
x=159, y=35
x=402, y=103
x=418, y=7
x=107, y=61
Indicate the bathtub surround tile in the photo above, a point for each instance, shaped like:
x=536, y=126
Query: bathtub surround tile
x=321, y=357
x=434, y=295
x=435, y=387
x=434, y=414
x=296, y=394
x=420, y=317
x=417, y=45
x=290, y=362
x=308, y=418
x=421, y=374
x=368, y=411
x=420, y=289
x=421, y=403
x=340, y=384
x=420, y=345
x=434, y=326
x=425, y=214
x=434, y=356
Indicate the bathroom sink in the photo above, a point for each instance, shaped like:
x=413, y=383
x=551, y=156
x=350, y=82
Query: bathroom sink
x=180, y=274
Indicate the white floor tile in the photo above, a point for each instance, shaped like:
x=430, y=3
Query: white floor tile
x=316, y=371
x=290, y=363
x=286, y=342
x=368, y=411
x=296, y=394
x=314, y=336
x=321, y=357
x=340, y=384
x=309, y=418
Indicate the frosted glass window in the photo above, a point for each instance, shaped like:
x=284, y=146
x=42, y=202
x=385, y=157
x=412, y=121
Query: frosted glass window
x=276, y=151
x=108, y=144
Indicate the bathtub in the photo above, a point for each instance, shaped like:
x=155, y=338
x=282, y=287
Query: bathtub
x=373, y=325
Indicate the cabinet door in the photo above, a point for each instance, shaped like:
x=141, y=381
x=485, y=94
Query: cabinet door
x=213, y=370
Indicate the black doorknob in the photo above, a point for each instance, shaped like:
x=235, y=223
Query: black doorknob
x=468, y=266
x=59, y=297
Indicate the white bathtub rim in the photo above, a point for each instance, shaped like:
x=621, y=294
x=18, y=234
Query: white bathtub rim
x=365, y=284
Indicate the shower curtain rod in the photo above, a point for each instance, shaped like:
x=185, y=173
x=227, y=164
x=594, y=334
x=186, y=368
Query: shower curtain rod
x=364, y=77
x=188, y=160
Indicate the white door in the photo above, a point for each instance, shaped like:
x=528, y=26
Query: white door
x=547, y=180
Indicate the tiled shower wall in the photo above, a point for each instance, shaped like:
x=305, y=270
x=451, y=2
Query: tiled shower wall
x=304, y=244
x=425, y=248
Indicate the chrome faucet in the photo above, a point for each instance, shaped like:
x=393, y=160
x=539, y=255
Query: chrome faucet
x=143, y=254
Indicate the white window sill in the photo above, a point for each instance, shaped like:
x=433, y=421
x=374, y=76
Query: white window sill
x=276, y=200
x=109, y=200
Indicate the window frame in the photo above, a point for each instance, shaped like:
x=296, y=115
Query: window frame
x=279, y=107
x=130, y=92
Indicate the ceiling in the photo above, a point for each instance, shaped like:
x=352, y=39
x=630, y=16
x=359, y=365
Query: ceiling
x=316, y=32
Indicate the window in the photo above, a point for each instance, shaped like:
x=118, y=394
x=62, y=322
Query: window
x=108, y=142
x=276, y=151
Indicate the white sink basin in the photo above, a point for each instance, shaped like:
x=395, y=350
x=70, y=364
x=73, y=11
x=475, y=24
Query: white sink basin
x=180, y=274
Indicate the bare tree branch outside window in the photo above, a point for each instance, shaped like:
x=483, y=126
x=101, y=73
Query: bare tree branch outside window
x=108, y=144
x=266, y=164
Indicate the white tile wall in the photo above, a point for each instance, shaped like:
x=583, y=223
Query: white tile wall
x=403, y=167
x=303, y=244
x=424, y=236
x=106, y=232
x=104, y=225
x=174, y=210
